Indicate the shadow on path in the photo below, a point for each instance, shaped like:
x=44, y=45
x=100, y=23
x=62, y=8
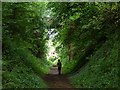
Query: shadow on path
x=54, y=80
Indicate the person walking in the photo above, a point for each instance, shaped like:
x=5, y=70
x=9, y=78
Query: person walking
x=59, y=67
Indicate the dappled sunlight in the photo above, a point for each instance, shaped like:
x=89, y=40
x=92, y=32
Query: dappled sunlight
x=51, y=50
x=52, y=55
x=67, y=43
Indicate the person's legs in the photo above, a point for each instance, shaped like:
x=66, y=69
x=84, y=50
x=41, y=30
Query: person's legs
x=59, y=70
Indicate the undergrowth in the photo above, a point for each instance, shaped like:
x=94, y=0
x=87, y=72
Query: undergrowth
x=102, y=69
x=21, y=69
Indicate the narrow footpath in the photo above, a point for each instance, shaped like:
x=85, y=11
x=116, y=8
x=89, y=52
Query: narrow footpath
x=54, y=80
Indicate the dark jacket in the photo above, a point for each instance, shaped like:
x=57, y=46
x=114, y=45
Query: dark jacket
x=59, y=65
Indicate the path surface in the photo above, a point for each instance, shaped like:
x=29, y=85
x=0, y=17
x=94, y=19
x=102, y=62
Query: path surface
x=57, y=81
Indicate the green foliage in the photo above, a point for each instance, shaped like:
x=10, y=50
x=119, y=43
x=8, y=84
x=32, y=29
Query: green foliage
x=84, y=30
x=28, y=26
x=24, y=39
x=68, y=66
x=19, y=65
x=87, y=34
x=102, y=70
x=22, y=77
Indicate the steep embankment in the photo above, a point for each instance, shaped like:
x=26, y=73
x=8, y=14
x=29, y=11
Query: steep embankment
x=23, y=45
x=20, y=66
x=102, y=69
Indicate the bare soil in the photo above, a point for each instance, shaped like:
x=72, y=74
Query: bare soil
x=54, y=80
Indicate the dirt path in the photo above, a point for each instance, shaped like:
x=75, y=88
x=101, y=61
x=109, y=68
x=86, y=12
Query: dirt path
x=57, y=81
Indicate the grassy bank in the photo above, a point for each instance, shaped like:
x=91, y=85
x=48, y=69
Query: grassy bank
x=102, y=69
x=21, y=69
